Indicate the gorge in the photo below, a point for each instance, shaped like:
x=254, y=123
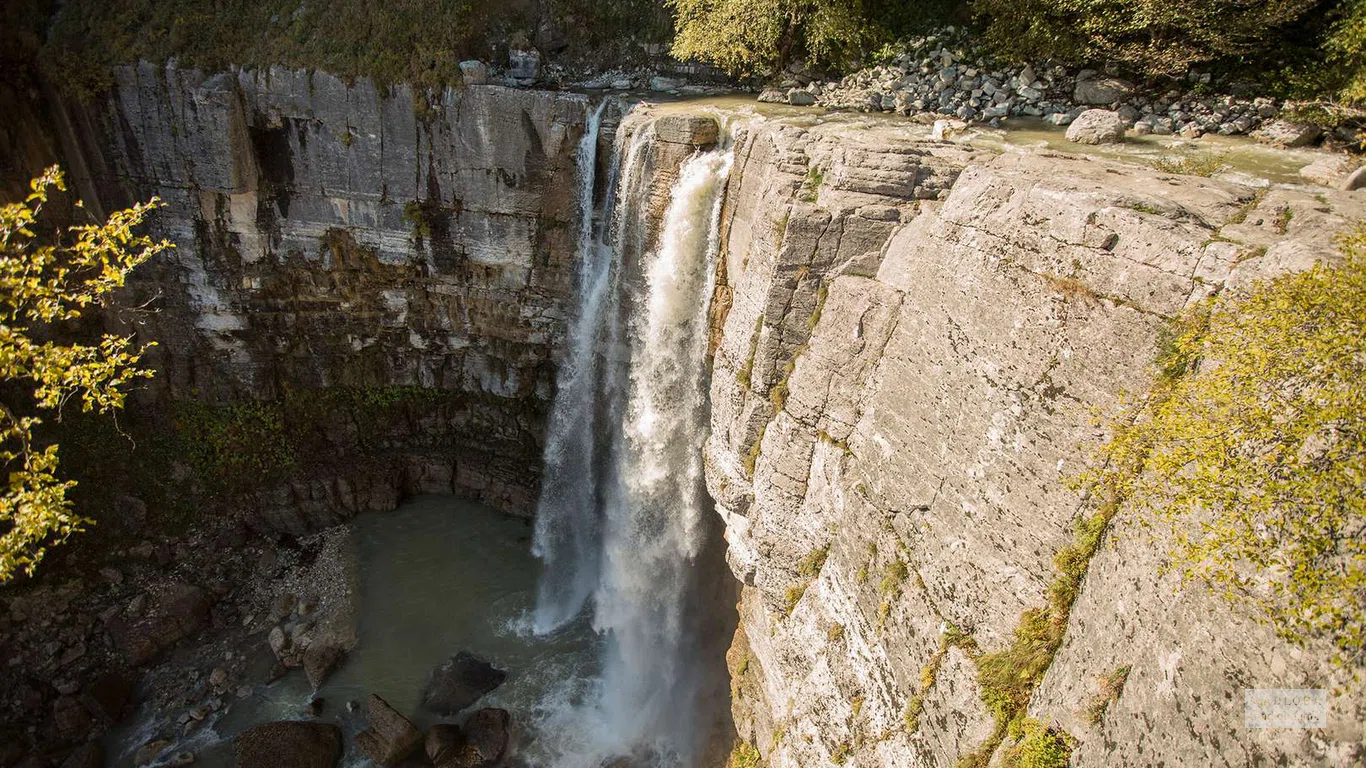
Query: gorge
x=793, y=401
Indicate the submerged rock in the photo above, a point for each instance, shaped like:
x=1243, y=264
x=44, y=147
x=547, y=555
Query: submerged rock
x=460, y=682
x=1096, y=126
x=391, y=736
x=289, y=744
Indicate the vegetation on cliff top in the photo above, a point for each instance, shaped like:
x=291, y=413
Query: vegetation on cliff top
x=1308, y=48
x=414, y=41
x=48, y=279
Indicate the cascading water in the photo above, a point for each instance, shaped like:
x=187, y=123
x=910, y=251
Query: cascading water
x=623, y=519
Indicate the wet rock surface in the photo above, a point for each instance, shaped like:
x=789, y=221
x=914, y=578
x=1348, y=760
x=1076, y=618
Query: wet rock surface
x=391, y=737
x=289, y=745
x=460, y=682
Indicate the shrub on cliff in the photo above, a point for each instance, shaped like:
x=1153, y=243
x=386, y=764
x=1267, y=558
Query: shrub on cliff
x=1251, y=449
x=47, y=280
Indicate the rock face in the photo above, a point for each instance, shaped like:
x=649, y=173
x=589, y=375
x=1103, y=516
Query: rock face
x=339, y=236
x=902, y=385
x=390, y=737
x=460, y=682
x=1096, y=126
x=289, y=744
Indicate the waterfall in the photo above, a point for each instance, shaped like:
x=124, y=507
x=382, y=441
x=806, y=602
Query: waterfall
x=566, y=536
x=623, y=512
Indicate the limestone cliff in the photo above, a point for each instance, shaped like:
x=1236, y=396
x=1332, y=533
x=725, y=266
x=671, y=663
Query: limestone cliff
x=331, y=234
x=917, y=340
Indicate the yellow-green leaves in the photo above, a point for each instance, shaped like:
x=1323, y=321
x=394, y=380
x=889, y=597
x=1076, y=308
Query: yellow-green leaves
x=1252, y=450
x=45, y=281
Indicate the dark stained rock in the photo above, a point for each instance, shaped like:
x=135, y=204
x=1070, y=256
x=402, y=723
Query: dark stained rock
x=487, y=733
x=443, y=743
x=108, y=695
x=177, y=611
x=391, y=736
x=289, y=744
x=459, y=683
x=320, y=661
x=89, y=756
x=73, y=722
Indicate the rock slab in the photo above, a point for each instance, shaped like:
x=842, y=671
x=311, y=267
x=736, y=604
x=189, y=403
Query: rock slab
x=460, y=682
x=289, y=744
x=391, y=736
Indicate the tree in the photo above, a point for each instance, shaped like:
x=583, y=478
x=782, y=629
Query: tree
x=1147, y=36
x=45, y=282
x=754, y=36
x=1251, y=448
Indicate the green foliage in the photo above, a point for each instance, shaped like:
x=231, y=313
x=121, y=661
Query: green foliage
x=1346, y=52
x=1039, y=747
x=757, y=36
x=420, y=42
x=1203, y=164
x=1111, y=686
x=744, y=755
x=240, y=445
x=1147, y=36
x=1254, y=458
x=793, y=596
x=416, y=214
x=822, y=293
x=46, y=281
x=811, y=565
x=893, y=577
x=811, y=186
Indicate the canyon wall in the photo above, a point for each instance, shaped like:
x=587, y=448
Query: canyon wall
x=919, y=338
x=332, y=235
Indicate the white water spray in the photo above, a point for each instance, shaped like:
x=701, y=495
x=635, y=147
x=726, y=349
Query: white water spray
x=629, y=514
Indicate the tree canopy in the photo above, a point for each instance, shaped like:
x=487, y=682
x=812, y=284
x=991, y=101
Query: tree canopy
x=45, y=281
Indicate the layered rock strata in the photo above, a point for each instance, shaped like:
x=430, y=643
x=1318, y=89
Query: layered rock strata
x=917, y=341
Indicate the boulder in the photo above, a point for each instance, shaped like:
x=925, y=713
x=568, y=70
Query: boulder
x=693, y=130
x=391, y=736
x=459, y=682
x=1356, y=181
x=1103, y=90
x=320, y=661
x=149, y=752
x=475, y=72
x=1283, y=133
x=798, y=97
x=664, y=84
x=175, y=611
x=1096, y=126
x=773, y=96
x=443, y=743
x=289, y=744
x=89, y=756
x=487, y=732
x=1329, y=170
x=524, y=65
x=73, y=722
